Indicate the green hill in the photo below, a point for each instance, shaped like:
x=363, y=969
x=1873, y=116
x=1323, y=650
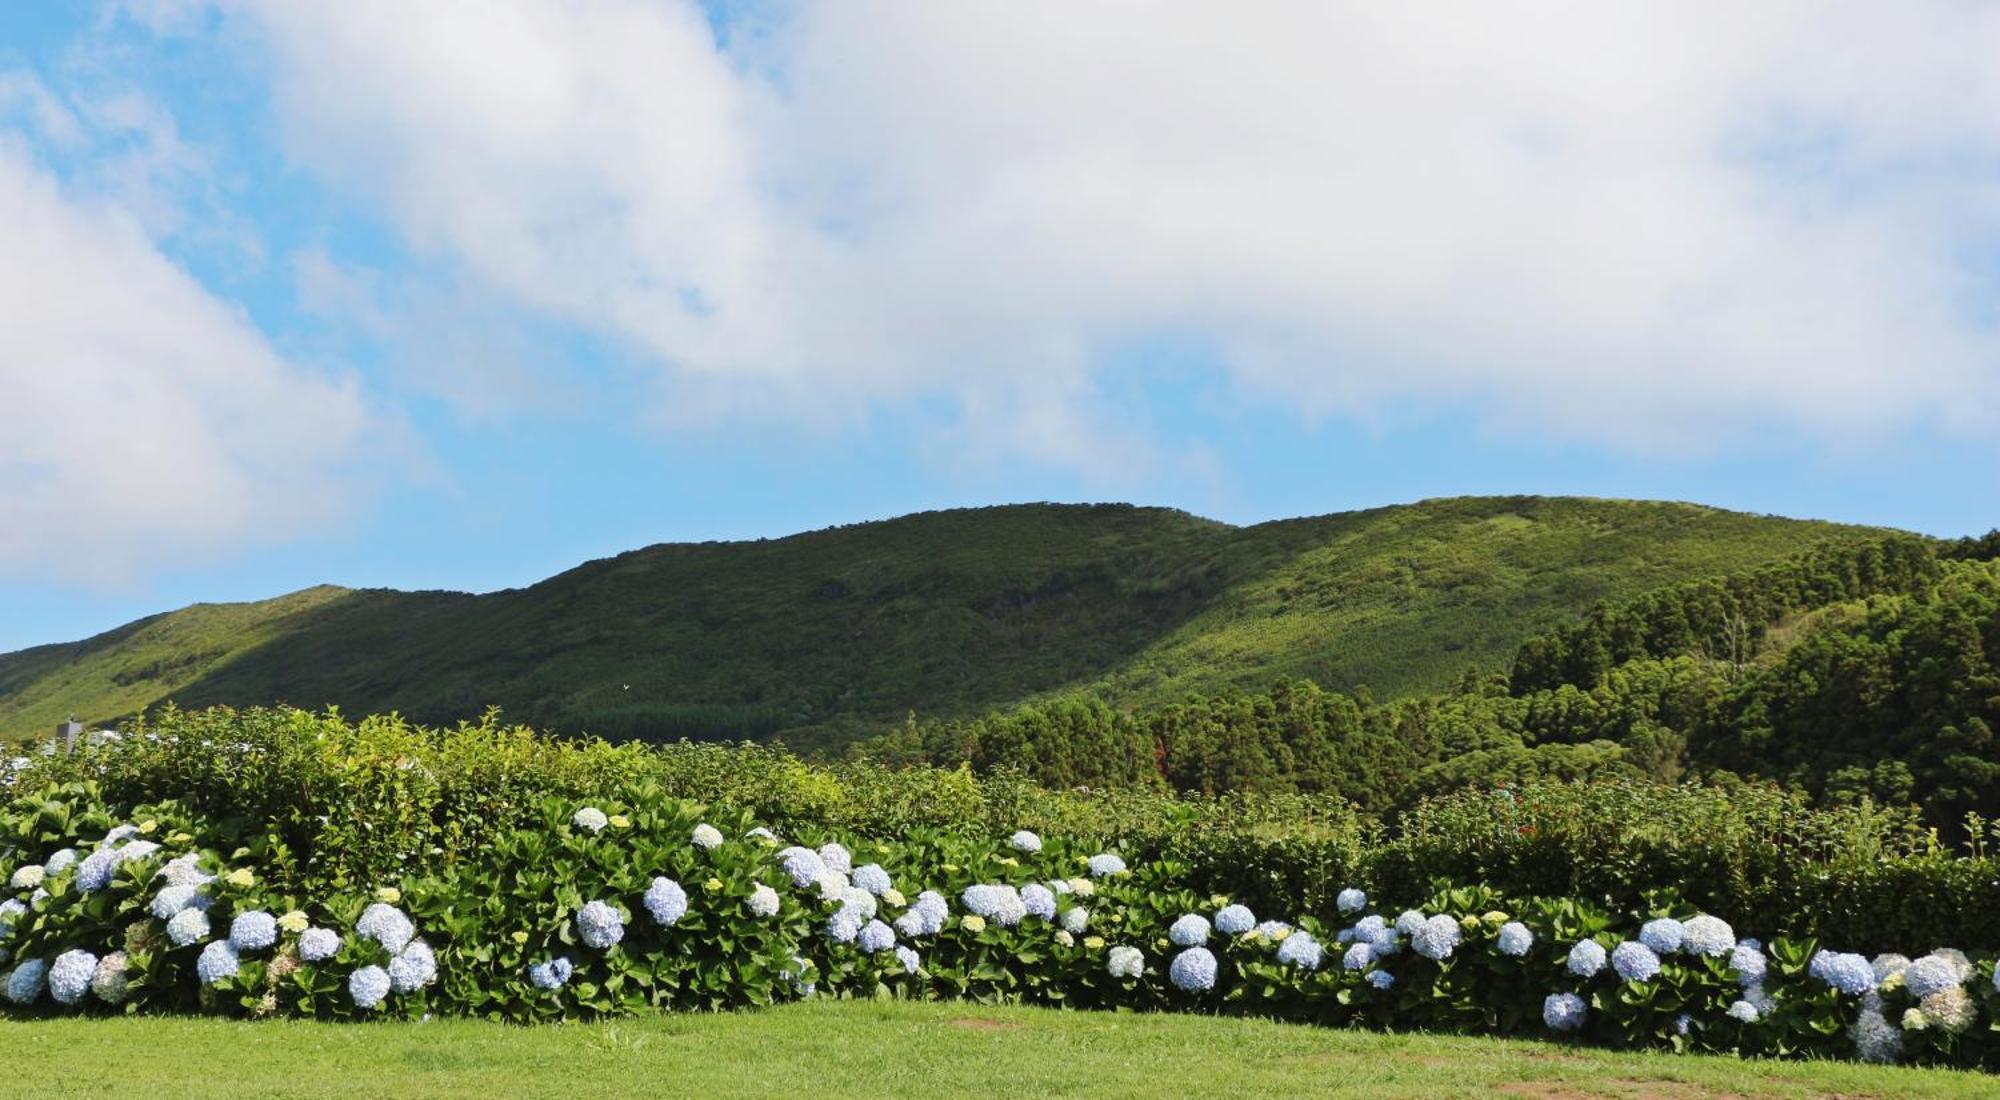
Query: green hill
x=826, y=635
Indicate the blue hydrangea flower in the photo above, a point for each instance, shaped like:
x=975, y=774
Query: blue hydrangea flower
x=367, y=987
x=876, y=936
x=1381, y=979
x=60, y=861
x=184, y=871
x=1075, y=919
x=910, y=925
x=1273, y=929
x=1302, y=951
x=1190, y=930
x=873, y=879
x=96, y=870
x=1748, y=962
x=109, y=981
x=1706, y=935
x=119, y=835
x=599, y=925
x=1635, y=962
x=1106, y=863
x=1563, y=1011
x=1193, y=970
x=11, y=910
x=1373, y=929
x=843, y=926
x=666, y=902
x=137, y=850
x=253, y=930
x=1039, y=901
x=836, y=858
x=860, y=901
x=763, y=901
x=761, y=833
x=1928, y=975
x=1358, y=957
x=1515, y=939
x=1409, y=922
x=24, y=985
x=414, y=969
x=553, y=974
x=386, y=925
x=318, y=944
x=1586, y=958
x=187, y=928
x=590, y=819
x=1663, y=936
x=218, y=961
x=1875, y=1038
x=706, y=837
x=1234, y=920
x=1437, y=938
x=1126, y=962
x=1351, y=900
x=1011, y=907
x=1744, y=1011
x=1849, y=973
x=802, y=864
x=911, y=962
x=982, y=899
x=69, y=978
x=1025, y=841
x=173, y=899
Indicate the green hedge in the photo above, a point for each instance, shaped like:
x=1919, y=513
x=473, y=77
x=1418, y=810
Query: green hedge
x=344, y=804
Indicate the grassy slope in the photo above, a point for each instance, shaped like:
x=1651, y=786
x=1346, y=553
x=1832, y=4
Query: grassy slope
x=943, y=612
x=880, y=1049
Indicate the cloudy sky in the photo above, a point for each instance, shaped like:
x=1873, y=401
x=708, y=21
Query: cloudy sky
x=459, y=294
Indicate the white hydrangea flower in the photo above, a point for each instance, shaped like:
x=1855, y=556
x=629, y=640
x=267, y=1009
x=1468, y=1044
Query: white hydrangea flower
x=706, y=837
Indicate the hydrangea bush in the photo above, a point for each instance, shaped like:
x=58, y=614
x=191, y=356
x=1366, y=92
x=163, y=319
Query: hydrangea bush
x=648, y=903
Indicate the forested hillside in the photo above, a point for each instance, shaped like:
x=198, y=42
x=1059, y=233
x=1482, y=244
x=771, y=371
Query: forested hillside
x=825, y=636
x=1870, y=670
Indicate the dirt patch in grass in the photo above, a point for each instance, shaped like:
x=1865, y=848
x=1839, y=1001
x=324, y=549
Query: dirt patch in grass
x=1623, y=1089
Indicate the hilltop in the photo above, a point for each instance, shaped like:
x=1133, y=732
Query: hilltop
x=822, y=636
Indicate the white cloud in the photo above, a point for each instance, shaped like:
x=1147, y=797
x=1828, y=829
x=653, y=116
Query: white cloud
x=1658, y=227
x=143, y=422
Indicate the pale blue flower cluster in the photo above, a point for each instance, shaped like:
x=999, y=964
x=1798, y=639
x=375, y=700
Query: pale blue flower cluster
x=1664, y=935
x=413, y=969
x=1193, y=970
x=873, y=879
x=367, y=987
x=173, y=899
x=706, y=837
x=925, y=916
x=1515, y=939
x=318, y=944
x=1273, y=929
x=1106, y=863
x=108, y=981
x=802, y=864
x=550, y=975
x=590, y=819
x=1075, y=919
x=1125, y=962
x=1190, y=930
x=1563, y=1011
x=1635, y=962
x=1381, y=979
x=1586, y=958
x=1744, y=1011
x=843, y=926
x=599, y=925
x=763, y=901
x=876, y=936
x=69, y=978
x=910, y=960
x=386, y=925
x=24, y=985
x=1409, y=922
x=218, y=961
x=1928, y=975
x=1706, y=935
x=1436, y=938
x=253, y=930
x=1039, y=901
x=1234, y=920
x=1300, y=949
x=1358, y=957
x=11, y=910
x=836, y=858
x=96, y=870
x=1747, y=959
x=1025, y=841
x=1846, y=972
x=1351, y=900
x=666, y=902
x=187, y=927
x=60, y=860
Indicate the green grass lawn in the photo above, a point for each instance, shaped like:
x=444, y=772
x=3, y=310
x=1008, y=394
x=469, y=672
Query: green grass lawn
x=857, y=1049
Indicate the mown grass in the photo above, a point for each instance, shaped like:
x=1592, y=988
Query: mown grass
x=827, y=635
x=881, y=1049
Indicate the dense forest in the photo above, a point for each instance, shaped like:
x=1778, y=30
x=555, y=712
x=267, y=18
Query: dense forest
x=1847, y=671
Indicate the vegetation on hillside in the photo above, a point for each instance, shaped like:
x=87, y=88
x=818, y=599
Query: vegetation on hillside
x=824, y=636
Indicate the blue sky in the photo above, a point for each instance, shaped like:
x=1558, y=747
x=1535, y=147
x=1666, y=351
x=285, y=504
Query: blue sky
x=436, y=297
